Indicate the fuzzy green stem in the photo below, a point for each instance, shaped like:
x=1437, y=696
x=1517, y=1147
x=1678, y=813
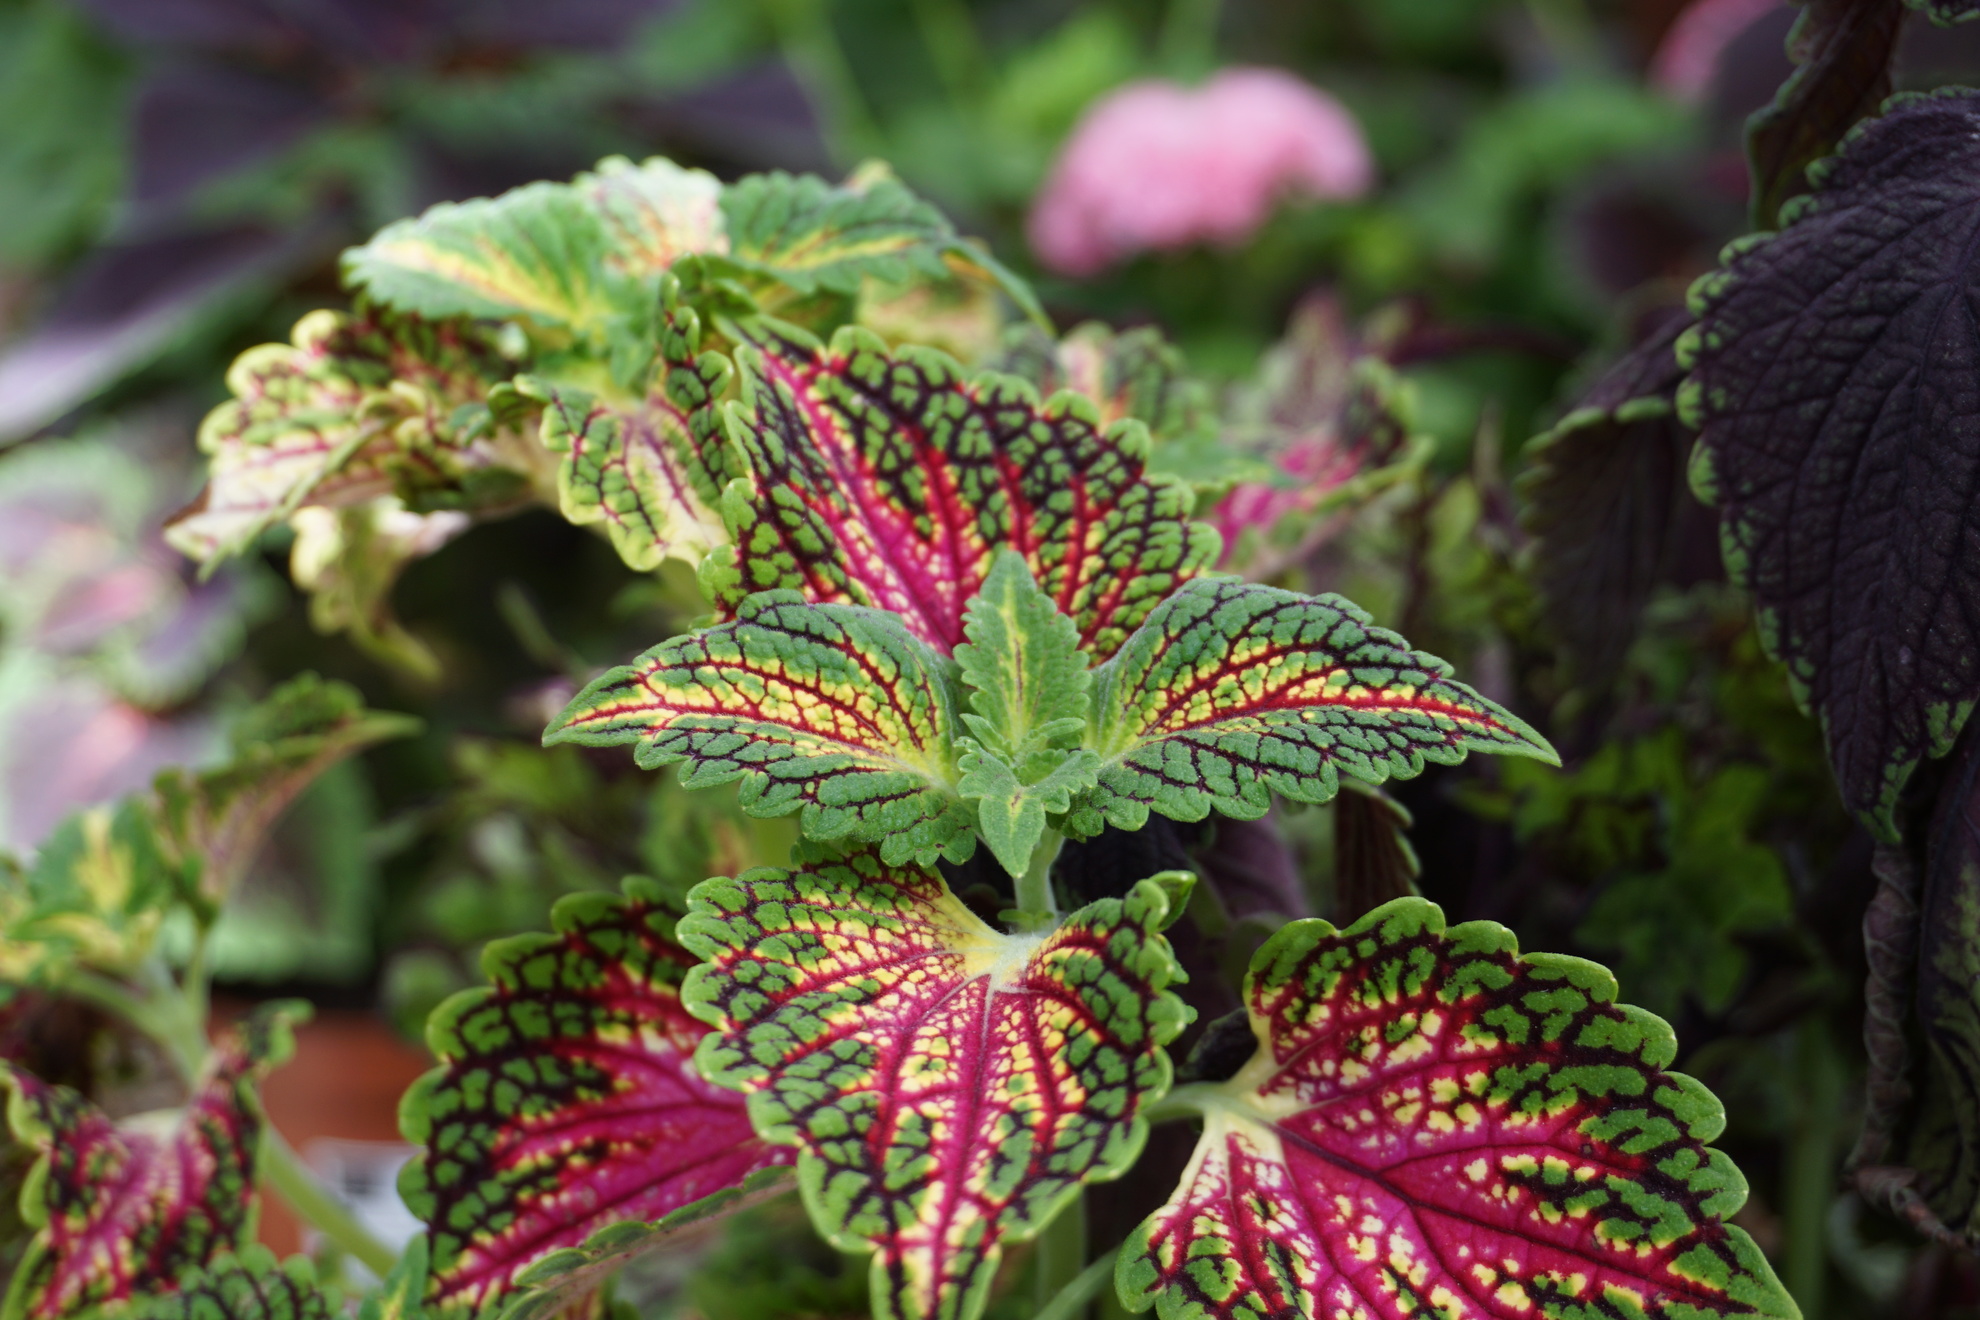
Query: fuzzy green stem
x=1073, y=1299
x=1061, y=1260
x=1038, y=908
x=175, y=1019
x=1814, y=1143
x=283, y=1170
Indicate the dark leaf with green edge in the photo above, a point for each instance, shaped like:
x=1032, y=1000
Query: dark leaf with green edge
x=578, y=257
x=1028, y=688
x=212, y=823
x=122, y=1211
x=833, y=711
x=650, y=469
x=1435, y=1125
x=566, y=1128
x=357, y=406
x=244, y=1285
x=889, y=478
x=813, y=236
x=1947, y=12
x=1373, y=860
x=1942, y=1144
x=1840, y=440
x=949, y=1087
x=1608, y=504
x=1843, y=51
x=1231, y=692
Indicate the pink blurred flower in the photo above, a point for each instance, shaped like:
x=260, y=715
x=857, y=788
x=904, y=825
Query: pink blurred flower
x=1689, y=54
x=1156, y=165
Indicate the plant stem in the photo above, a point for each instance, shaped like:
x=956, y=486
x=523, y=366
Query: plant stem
x=1061, y=1261
x=1034, y=888
x=1814, y=1143
x=283, y=1170
x=1070, y=1300
x=167, y=1016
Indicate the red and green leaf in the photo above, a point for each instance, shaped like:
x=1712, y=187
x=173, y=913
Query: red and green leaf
x=949, y=1088
x=832, y=711
x=651, y=470
x=119, y=1212
x=1436, y=1125
x=889, y=478
x=244, y=1285
x=1128, y=374
x=566, y=1127
x=1231, y=692
x=355, y=407
x=574, y=257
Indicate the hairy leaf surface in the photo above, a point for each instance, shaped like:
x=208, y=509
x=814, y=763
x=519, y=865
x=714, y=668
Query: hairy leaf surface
x=1028, y=688
x=355, y=407
x=1434, y=1125
x=244, y=1285
x=949, y=1087
x=1840, y=438
x=122, y=1211
x=889, y=478
x=833, y=711
x=578, y=256
x=566, y=1127
x=1609, y=506
x=1232, y=691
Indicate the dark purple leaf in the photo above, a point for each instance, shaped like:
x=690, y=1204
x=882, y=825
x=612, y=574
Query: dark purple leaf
x=126, y=305
x=759, y=115
x=1947, y=12
x=1844, y=50
x=1373, y=861
x=1608, y=505
x=577, y=24
x=1833, y=383
x=357, y=30
x=196, y=122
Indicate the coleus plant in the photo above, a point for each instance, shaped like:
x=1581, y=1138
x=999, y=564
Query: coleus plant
x=949, y=611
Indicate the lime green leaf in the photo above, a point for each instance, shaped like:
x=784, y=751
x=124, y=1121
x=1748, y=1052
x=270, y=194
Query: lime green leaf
x=358, y=406
x=576, y=256
x=831, y=710
x=1434, y=1125
x=949, y=1088
x=119, y=1212
x=1231, y=692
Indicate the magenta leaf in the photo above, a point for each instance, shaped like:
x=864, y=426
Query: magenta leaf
x=566, y=1127
x=1434, y=1125
x=887, y=477
x=123, y=1211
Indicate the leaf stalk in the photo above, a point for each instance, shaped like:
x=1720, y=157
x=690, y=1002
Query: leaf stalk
x=283, y=1170
x=1037, y=908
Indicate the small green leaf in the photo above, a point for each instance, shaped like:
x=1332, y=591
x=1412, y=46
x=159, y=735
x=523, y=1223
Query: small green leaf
x=1010, y=812
x=832, y=710
x=578, y=256
x=1028, y=680
x=949, y=1088
x=1231, y=692
x=244, y=1285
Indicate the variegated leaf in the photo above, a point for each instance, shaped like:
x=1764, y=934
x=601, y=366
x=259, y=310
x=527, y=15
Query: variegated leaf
x=566, y=1127
x=244, y=1285
x=576, y=257
x=121, y=1211
x=889, y=478
x=1434, y=1125
x=1231, y=692
x=831, y=710
x=355, y=407
x=950, y=1088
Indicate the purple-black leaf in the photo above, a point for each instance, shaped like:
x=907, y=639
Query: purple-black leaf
x=197, y=122
x=1607, y=503
x=1832, y=382
x=1843, y=48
